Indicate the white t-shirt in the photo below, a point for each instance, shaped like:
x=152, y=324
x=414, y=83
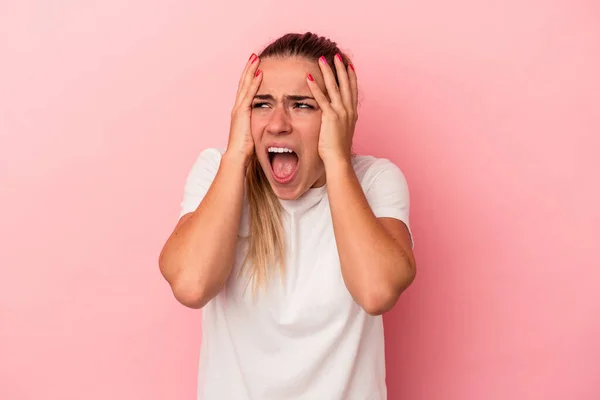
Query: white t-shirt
x=305, y=338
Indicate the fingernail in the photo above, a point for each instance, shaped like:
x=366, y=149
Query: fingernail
x=252, y=57
x=352, y=66
x=339, y=57
x=310, y=78
x=323, y=60
x=257, y=72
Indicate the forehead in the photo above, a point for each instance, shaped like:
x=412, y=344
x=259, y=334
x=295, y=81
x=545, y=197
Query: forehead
x=287, y=75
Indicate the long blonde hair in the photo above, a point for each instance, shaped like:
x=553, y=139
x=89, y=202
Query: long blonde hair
x=266, y=240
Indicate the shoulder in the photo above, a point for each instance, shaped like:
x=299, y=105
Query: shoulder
x=385, y=188
x=199, y=178
x=211, y=155
x=370, y=169
x=206, y=163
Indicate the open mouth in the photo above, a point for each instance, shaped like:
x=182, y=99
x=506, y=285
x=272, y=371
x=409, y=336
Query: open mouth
x=284, y=163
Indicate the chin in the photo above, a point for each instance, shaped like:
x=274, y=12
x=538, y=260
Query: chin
x=286, y=192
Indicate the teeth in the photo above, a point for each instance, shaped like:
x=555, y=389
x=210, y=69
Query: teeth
x=279, y=150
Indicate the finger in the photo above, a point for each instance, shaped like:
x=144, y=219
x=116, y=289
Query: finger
x=248, y=96
x=353, y=85
x=249, y=69
x=247, y=78
x=318, y=94
x=253, y=58
x=344, y=84
x=332, y=88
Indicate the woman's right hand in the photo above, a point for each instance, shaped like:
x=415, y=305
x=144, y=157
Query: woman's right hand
x=241, y=143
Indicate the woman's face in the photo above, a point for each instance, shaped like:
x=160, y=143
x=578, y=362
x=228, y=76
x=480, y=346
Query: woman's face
x=285, y=126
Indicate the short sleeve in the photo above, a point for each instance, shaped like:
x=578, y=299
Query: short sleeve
x=199, y=179
x=388, y=193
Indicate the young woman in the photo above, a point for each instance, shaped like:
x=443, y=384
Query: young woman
x=292, y=245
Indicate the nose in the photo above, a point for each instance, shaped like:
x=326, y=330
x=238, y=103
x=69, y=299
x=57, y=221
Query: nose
x=279, y=122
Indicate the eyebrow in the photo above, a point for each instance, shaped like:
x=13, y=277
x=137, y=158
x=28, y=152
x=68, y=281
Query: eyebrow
x=288, y=97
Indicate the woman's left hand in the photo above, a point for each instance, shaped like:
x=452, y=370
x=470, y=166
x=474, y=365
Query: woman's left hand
x=339, y=112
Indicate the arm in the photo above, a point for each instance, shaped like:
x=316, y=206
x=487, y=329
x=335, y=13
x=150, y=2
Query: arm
x=198, y=256
x=375, y=253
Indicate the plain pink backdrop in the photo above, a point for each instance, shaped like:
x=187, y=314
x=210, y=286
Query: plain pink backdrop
x=492, y=110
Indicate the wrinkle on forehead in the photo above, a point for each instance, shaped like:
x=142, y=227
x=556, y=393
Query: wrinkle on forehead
x=287, y=76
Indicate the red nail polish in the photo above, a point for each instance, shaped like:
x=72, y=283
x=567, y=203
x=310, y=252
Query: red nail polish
x=352, y=66
x=257, y=72
x=323, y=60
x=310, y=78
x=252, y=58
x=339, y=57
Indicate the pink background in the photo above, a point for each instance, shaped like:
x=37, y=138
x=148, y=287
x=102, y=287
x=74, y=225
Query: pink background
x=492, y=111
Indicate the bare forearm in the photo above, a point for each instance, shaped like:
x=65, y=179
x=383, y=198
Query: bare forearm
x=375, y=268
x=198, y=257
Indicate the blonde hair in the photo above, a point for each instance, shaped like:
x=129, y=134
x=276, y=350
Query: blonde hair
x=266, y=240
